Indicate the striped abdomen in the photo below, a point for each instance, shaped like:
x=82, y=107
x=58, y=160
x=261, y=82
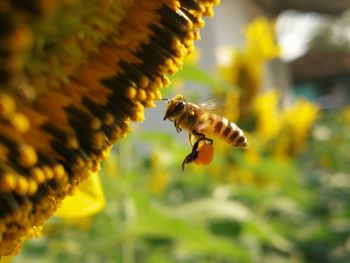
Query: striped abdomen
x=226, y=130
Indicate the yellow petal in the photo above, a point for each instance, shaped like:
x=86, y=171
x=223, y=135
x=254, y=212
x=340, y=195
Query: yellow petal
x=88, y=199
x=6, y=259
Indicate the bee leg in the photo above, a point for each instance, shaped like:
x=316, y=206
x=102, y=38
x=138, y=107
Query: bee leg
x=202, y=137
x=177, y=127
x=177, y=124
x=192, y=156
x=194, y=153
x=190, y=137
x=189, y=158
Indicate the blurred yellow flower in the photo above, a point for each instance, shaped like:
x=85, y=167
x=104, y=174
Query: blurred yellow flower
x=287, y=127
x=252, y=156
x=281, y=148
x=268, y=115
x=298, y=121
x=231, y=109
x=158, y=183
x=245, y=177
x=260, y=40
x=160, y=178
x=244, y=68
x=345, y=115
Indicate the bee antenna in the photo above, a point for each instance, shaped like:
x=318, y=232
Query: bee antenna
x=166, y=99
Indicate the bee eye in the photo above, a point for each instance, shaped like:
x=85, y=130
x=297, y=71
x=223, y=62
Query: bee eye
x=178, y=108
x=174, y=111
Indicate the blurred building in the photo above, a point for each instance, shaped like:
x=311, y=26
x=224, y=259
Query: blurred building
x=276, y=7
x=322, y=71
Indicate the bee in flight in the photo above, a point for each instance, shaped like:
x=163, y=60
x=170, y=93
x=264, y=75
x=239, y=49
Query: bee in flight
x=200, y=122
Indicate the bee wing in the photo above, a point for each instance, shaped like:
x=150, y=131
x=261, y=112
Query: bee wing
x=209, y=106
x=213, y=106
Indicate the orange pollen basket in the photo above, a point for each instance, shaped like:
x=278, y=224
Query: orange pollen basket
x=205, y=154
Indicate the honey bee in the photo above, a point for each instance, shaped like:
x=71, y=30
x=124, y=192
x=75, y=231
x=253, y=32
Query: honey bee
x=200, y=122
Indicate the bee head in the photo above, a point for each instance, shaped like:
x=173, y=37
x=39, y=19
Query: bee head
x=175, y=107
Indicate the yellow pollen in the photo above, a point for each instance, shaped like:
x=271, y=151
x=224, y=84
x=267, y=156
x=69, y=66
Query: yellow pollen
x=105, y=153
x=150, y=104
x=7, y=182
x=4, y=151
x=7, y=105
x=38, y=175
x=157, y=95
x=20, y=122
x=59, y=171
x=151, y=96
x=98, y=140
x=72, y=143
x=79, y=163
x=22, y=186
x=108, y=120
x=32, y=187
x=96, y=124
x=144, y=82
x=138, y=116
x=141, y=94
x=47, y=172
x=27, y=156
x=131, y=93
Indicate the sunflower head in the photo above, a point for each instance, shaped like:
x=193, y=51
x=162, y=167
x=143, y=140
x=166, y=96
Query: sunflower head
x=73, y=74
